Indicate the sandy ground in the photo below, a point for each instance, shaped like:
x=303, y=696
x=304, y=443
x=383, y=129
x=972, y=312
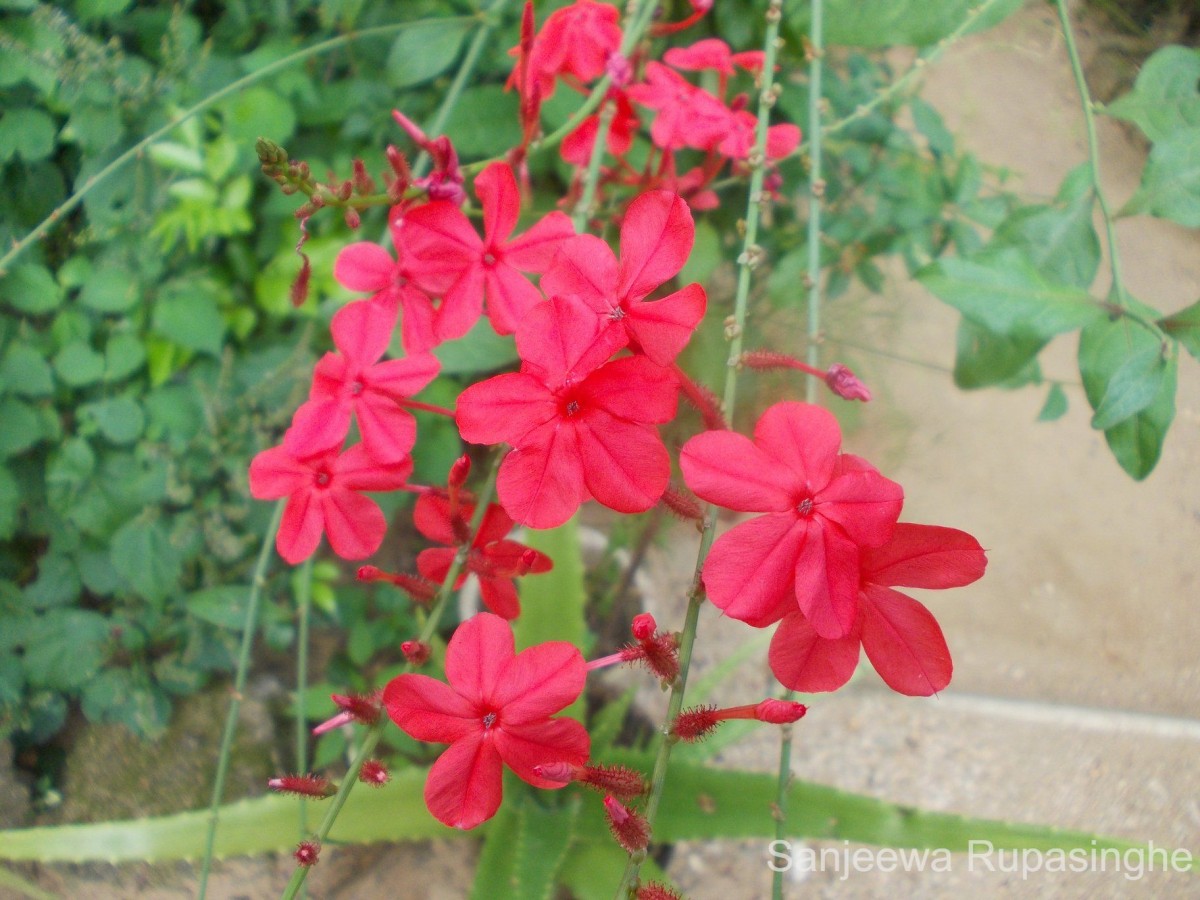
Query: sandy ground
x=1075, y=699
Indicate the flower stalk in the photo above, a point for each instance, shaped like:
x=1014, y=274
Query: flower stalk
x=735, y=330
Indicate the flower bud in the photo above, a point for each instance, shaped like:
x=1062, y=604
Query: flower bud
x=302, y=786
x=619, y=781
x=846, y=384
x=644, y=626
x=653, y=890
x=374, y=773
x=779, y=712
x=628, y=827
x=416, y=652
x=364, y=708
x=363, y=183
x=307, y=853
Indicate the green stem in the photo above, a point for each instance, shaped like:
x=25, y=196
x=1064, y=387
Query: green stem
x=303, y=606
x=466, y=70
x=483, y=498
x=137, y=149
x=239, y=685
x=816, y=191
x=638, y=20
x=747, y=261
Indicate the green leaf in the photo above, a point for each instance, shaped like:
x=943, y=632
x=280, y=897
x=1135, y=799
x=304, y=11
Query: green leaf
x=223, y=606
x=984, y=358
x=258, y=112
x=496, y=867
x=64, y=648
x=543, y=837
x=1184, y=326
x=484, y=117
x=22, y=428
x=1170, y=187
x=78, y=365
x=118, y=695
x=1055, y=406
x=110, y=290
x=1164, y=98
x=479, y=350
x=30, y=289
x=123, y=355
x=423, y=51
x=1131, y=388
x=929, y=123
x=24, y=371
x=10, y=504
x=119, y=419
x=1060, y=241
x=1003, y=291
x=1104, y=347
x=57, y=584
x=143, y=555
x=27, y=133
x=190, y=320
x=177, y=157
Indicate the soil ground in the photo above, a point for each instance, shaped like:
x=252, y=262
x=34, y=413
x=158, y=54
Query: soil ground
x=1076, y=698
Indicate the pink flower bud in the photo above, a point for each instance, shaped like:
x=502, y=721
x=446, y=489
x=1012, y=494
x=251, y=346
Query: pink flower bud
x=644, y=626
x=307, y=853
x=416, y=652
x=653, y=890
x=302, y=786
x=695, y=724
x=374, y=773
x=629, y=828
x=779, y=712
x=845, y=383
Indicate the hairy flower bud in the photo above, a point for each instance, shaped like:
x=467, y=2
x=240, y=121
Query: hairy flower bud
x=619, y=781
x=416, y=652
x=364, y=708
x=374, y=773
x=628, y=827
x=307, y=853
x=653, y=890
x=421, y=590
x=684, y=505
x=302, y=786
x=846, y=384
x=695, y=724
x=363, y=183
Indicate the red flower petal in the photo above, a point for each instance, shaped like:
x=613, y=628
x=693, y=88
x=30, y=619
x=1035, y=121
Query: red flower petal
x=751, y=570
x=904, y=643
x=803, y=437
x=402, y=378
x=388, y=432
x=632, y=388
x=726, y=468
x=536, y=249
x=663, y=327
x=541, y=483
x=656, y=238
x=434, y=564
x=317, y=426
x=584, y=266
x=500, y=596
x=496, y=187
x=300, y=528
x=537, y=743
x=864, y=503
x=504, y=408
x=538, y=682
x=429, y=710
x=510, y=295
x=357, y=470
x=354, y=524
x=827, y=579
x=277, y=472
x=362, y=329
x=925, y=556
x=364, y=267
x=465, y=785
x=804, y=661
x=561, y=339
x=625, y=465
x=478, y=652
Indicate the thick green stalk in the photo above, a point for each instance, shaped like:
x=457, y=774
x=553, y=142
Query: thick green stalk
x=239, y=685
x=139, y=148
x=375, y=731
x=747, y=261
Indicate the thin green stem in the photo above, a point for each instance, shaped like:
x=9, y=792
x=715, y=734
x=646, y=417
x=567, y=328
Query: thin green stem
x=637, y=22
x=750, y=257
x=483, y=499
x=462, y=77
x=303, y=586
x=137, y=149
x=258, y=579
x=816, y=192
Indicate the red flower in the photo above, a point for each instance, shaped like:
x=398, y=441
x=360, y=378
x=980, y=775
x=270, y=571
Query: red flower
x=577, y=146
x=323, y=497
x=577, y=427
x=355, y=381
x=739, y=140
x=713, y=53
x=656, y=238
x=495, y=711
x=368, y=267
x=451, y=259
x=821, y=507
x=688, y=116
x=576, y=40
x=901, y=637
x=494, y=560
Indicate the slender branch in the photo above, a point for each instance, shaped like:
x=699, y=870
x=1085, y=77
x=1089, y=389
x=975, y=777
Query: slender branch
x=303, y=605
x=747, y=261
x=483, y=499
x=239, y=685
x=137, y=149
